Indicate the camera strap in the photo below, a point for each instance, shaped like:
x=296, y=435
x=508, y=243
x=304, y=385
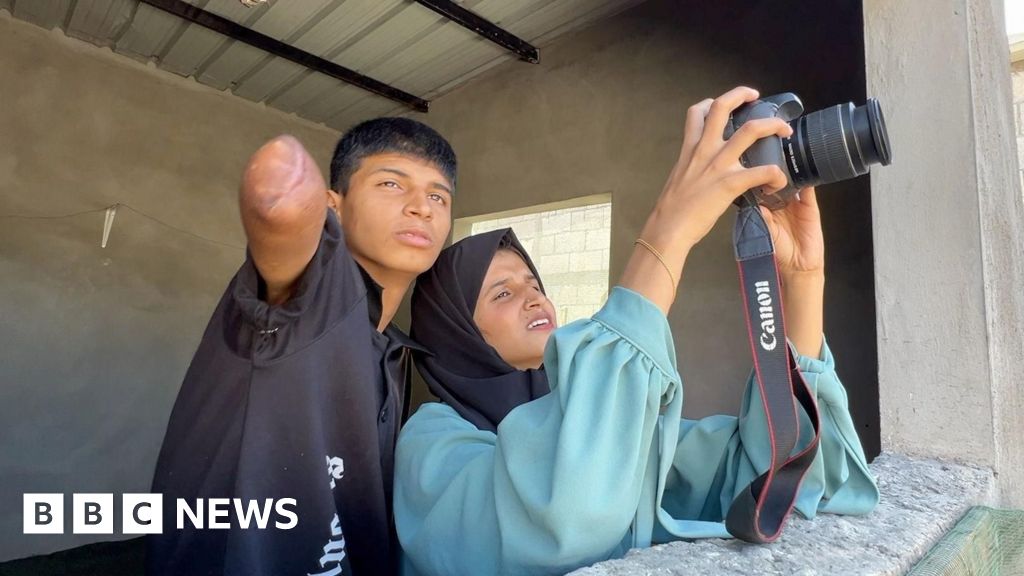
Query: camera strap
x=759, y=511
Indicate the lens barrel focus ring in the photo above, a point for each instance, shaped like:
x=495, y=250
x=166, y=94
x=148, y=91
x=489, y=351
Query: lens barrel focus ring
x=826, y=137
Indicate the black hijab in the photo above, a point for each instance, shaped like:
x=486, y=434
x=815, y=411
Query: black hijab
x=464, y=371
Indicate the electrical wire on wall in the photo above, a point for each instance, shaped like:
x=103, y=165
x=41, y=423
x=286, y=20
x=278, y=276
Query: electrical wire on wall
x=109, y=214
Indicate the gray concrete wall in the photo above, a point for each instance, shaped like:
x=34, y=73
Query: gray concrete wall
x=949, y=235
x=94, y=342
x=603, y=113
x=1017, y=79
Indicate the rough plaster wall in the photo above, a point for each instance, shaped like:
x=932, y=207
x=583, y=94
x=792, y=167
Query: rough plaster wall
x=948, y=231
x=94, y=342
x=1001, y=208
x=1017, y=79
x=604, y=112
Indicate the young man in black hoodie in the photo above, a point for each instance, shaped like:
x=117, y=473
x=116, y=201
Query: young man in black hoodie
x=298, y=386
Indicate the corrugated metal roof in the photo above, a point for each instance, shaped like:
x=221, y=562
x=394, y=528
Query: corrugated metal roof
x=398, y=42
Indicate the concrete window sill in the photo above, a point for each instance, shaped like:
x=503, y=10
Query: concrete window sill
x=920, y=501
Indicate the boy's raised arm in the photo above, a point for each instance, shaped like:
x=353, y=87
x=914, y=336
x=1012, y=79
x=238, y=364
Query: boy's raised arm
x=283, y=203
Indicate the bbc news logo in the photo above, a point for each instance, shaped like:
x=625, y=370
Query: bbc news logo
x=143, y=513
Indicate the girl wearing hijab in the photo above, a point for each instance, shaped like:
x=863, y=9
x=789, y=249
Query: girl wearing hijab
x=545, y=453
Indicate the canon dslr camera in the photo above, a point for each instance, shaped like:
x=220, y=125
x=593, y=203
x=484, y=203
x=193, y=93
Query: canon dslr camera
x=829, y=145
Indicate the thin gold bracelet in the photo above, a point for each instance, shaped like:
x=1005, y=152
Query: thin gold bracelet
x=653, y=250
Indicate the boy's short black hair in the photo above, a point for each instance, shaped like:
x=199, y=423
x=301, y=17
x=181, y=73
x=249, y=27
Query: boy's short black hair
x=389, y=135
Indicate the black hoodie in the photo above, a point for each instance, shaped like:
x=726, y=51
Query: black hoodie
x=301, y=400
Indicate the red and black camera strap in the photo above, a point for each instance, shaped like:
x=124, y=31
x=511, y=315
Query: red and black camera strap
x=759, y=511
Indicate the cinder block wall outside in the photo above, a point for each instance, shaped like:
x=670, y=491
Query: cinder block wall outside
x=570, y=248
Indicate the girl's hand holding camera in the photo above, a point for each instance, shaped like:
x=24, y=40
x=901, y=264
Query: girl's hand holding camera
x=800, y=254
x=705, y=181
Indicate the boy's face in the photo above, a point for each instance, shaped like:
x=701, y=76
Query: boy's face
x=396, y=215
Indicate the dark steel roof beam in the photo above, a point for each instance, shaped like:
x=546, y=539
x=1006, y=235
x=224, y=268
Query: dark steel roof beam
x=485, y=28
x=240, y=33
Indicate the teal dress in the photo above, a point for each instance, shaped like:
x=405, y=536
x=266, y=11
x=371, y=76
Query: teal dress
x=603, y=463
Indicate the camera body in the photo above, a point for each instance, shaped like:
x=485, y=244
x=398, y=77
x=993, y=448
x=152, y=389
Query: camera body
x=833, y=144
x=768, y=151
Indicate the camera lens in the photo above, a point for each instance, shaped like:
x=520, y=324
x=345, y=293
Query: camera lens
x=837, y=143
